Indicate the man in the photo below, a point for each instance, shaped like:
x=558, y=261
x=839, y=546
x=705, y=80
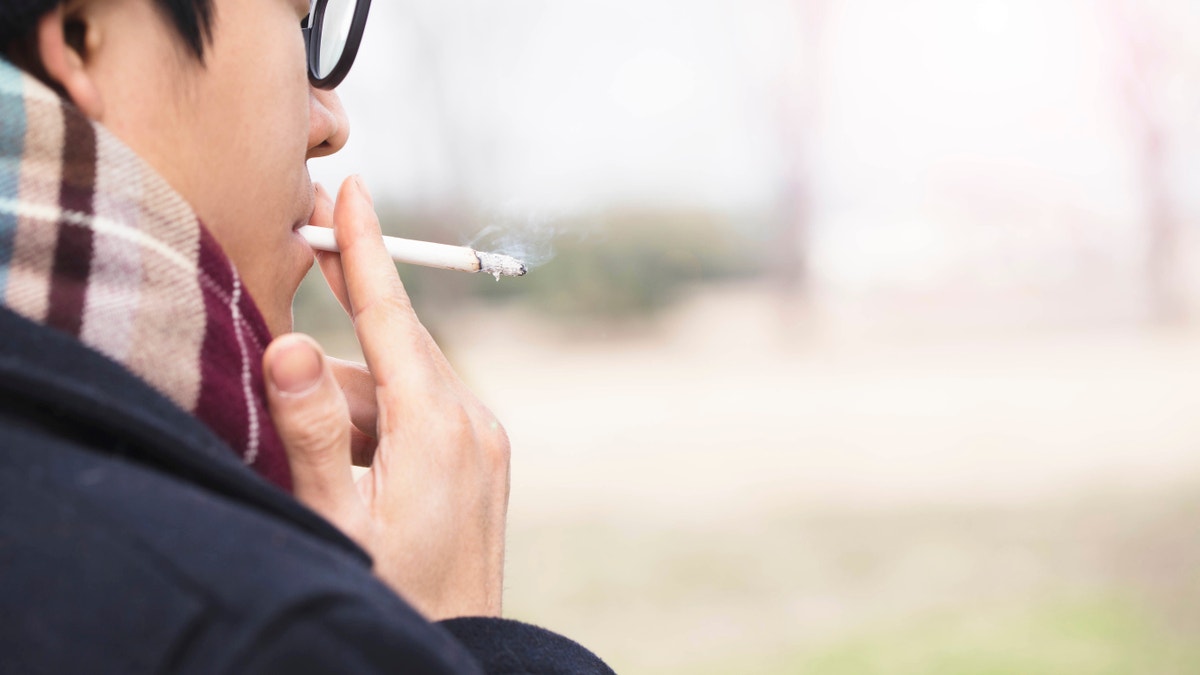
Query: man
x=152, y=178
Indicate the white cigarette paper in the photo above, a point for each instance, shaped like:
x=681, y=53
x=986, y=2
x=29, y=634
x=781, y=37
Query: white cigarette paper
x=428, y=254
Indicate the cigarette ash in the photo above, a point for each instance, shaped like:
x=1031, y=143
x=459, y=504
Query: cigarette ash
x=529, y=244
x=500, y=265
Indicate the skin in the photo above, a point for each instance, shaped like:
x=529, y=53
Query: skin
x=187, y=119
x=233, y=135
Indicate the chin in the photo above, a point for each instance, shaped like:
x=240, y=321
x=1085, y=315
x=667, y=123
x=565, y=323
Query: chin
x=279, y=316
x=276, y=305
x=276, y=311
x=282, y=325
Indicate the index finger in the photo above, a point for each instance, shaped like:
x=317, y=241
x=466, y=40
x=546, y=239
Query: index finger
x=394, y=342
x=330, y=262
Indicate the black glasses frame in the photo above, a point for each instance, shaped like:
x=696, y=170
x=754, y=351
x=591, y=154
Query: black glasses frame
x=312, y=43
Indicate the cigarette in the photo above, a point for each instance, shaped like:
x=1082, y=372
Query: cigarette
x=428, y=254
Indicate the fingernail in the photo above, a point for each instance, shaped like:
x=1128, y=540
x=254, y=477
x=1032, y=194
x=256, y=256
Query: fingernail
x=362, y=188
x=296, y=367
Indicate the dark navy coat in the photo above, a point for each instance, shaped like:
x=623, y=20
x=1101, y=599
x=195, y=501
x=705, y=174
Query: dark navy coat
x=133, y=541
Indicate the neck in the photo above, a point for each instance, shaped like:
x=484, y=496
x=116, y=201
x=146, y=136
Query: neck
x=96, y=244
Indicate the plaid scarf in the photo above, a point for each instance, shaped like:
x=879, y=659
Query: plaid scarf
x=94, y=243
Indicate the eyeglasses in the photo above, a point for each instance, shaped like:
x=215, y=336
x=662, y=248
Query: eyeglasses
x=332, y=32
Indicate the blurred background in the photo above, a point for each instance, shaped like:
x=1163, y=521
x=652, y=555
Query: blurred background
x=861, y=336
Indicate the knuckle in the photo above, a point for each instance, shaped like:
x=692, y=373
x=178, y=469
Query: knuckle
x=492, y=443
x=498, y=443
x=458, y=421
x=478, y=439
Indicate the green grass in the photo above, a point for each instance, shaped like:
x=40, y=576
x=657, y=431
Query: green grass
x=1095, y=636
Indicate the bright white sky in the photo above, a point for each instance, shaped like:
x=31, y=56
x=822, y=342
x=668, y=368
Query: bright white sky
x=552, y=105
x=556, y=103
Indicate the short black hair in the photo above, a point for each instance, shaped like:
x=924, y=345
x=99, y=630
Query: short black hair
x=193, y=20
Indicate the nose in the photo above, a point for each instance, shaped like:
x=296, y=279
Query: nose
x=328, y=127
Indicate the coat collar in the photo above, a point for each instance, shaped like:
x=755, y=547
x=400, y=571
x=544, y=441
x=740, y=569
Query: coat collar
x=51, y=371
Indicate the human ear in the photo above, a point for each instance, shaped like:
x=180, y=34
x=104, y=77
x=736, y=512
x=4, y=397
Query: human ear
x=63, y=45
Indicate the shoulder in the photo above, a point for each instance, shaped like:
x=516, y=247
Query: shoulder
x=110, y=566
x=131, y=541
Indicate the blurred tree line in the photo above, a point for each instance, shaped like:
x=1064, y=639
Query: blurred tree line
x=625, y=265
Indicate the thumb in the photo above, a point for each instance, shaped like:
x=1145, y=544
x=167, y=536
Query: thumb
x=310, y=413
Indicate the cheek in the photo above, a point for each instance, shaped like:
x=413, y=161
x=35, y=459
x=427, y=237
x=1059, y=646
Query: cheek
x=263, y=156
x=265, y=80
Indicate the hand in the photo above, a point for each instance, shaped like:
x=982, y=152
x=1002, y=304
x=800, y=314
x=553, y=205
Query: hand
x=431, y=508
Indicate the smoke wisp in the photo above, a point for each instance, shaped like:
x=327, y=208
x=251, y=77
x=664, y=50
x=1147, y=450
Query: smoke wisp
x=528, y=237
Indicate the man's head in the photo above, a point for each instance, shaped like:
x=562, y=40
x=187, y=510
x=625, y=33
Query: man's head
x=215, y=95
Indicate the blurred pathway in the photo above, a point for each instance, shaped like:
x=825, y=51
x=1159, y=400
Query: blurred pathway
x=716, y=416
x=712, y=495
